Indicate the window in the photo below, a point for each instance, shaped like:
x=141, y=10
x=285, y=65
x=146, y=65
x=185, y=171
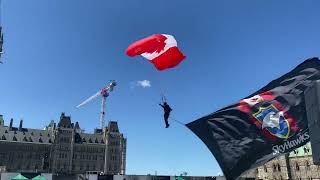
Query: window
x=297, y=166
x=265, y=168
x=279, y=167
x=307, y=165
x=274, y=168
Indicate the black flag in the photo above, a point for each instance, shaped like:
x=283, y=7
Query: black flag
x=264, y=125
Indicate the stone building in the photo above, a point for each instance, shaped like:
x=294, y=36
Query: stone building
x=296, y=165
x=62, y=148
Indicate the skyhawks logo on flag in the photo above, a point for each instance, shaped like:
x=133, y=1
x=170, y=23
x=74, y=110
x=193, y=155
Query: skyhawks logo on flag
x=269, y=116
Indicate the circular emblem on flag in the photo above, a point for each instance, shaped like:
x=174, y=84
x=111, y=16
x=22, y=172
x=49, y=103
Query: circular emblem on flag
x=269, y=115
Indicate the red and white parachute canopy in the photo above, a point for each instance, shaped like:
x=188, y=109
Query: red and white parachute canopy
x=160, y=49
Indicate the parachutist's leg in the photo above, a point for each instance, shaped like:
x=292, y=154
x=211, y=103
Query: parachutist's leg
x=166, y=116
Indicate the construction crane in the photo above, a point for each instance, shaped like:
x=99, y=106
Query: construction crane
x=1, y=34
x=1, y=43
x=104, y=93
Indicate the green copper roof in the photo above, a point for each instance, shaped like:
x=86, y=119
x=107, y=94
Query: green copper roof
x=302, y=151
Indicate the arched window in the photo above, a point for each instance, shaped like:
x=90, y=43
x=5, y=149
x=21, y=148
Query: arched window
x=274, y=168
x=297, y=166
x=307, y=165
x=279, y=167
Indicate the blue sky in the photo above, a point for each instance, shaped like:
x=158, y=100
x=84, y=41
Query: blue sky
x=58, y=53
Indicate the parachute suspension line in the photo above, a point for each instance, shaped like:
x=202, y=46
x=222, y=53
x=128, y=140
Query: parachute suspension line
x=0, y=12
x=163, y=98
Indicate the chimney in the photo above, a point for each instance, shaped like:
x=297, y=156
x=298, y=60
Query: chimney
x=20, y=125
x=11, y=122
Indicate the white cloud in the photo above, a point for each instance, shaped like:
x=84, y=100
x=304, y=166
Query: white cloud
x=144, y=83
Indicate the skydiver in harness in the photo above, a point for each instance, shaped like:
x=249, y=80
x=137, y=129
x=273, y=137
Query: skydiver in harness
x=167, y=109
